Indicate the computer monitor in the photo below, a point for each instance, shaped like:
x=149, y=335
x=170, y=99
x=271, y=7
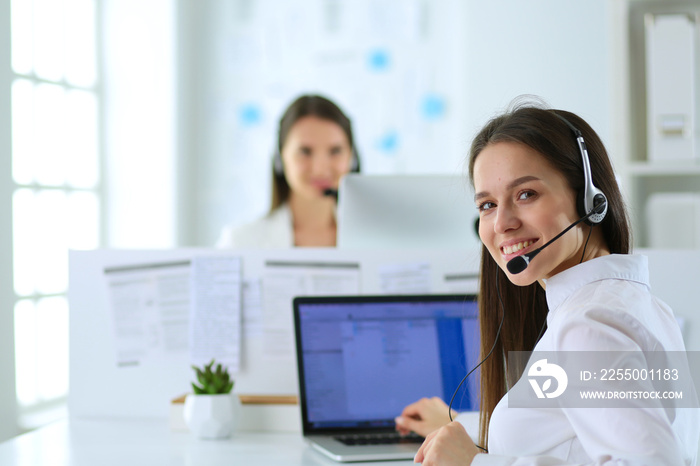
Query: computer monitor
x=406, y=212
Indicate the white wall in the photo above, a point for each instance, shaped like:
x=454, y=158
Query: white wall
x=139, y=115
x=476, y=56
x=8, y=408
x=557, y=49
x=189, y=45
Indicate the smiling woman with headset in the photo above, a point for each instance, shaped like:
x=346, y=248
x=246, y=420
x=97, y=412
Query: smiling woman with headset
x=315, y=149
x=545, y=187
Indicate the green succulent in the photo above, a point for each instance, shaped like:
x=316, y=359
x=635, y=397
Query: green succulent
x=212, y=381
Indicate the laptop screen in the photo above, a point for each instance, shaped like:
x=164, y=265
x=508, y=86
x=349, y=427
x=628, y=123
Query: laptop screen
x=362, y=359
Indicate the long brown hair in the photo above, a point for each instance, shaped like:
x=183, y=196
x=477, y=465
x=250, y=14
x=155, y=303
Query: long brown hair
x=306, y=105
x=525, y=307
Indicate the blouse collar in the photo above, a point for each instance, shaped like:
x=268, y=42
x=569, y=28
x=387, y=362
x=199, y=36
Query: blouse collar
x=632, y=267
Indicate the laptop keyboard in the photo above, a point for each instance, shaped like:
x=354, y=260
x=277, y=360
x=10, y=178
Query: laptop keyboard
x=379, y=439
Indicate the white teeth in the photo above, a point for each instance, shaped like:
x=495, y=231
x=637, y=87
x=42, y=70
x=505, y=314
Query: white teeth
x=516, y=247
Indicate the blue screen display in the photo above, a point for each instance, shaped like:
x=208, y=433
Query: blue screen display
x=364, y=362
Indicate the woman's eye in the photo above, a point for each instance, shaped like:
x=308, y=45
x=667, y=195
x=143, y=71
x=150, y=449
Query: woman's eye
x=484, y=206
x=525, y=195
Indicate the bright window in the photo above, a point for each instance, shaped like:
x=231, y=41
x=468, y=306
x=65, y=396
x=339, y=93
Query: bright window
x=57, y=186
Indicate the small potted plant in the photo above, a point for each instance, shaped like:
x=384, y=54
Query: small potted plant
x=209, y=410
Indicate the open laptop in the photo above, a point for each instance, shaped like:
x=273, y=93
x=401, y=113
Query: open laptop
x=362, y=359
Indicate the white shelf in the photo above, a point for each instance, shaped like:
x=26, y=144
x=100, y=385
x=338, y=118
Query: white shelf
x=671, y=168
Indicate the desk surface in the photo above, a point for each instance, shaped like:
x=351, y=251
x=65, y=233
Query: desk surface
x=151, y=442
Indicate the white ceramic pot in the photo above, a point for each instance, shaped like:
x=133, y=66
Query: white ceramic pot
x=209, y=416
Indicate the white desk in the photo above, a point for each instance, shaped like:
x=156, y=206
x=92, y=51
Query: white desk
x=151, y=443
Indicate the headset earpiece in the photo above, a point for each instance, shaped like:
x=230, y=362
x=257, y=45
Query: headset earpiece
x=355, y=163
x=277, y=166
x=598, y=201
x=591, y=198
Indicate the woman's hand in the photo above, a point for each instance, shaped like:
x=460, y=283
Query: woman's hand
x=450, y=445
x=423, y=417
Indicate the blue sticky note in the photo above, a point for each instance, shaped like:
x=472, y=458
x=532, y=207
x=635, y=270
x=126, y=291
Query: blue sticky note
x=433, y=107
x=249, y=115
x=378, y=60
x=389, y=142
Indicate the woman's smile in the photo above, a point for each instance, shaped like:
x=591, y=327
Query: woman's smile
x=515, y=248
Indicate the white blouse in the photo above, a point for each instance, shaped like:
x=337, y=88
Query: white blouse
x=273, y=231
x=600, y=305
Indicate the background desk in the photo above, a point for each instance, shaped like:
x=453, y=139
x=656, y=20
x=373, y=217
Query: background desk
x=151, y=442
x=95, y=377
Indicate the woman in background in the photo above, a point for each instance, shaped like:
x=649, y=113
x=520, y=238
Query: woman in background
x=315, y=148
x=585, y=289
